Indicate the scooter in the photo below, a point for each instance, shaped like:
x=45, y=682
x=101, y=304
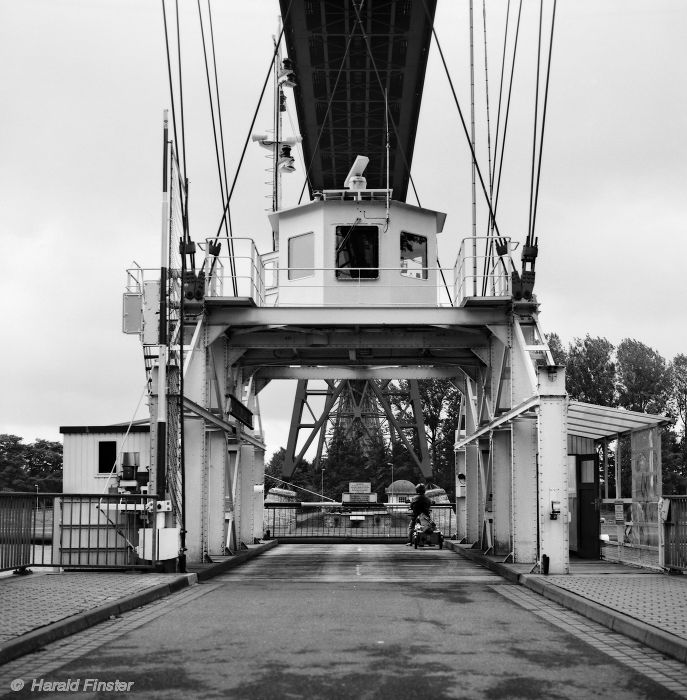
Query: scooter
x=426, y=533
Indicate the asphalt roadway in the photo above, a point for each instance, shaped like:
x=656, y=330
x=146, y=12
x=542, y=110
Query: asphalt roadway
x=347, y=622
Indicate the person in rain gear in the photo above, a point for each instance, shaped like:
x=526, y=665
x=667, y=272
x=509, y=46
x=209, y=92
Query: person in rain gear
x=418, y=505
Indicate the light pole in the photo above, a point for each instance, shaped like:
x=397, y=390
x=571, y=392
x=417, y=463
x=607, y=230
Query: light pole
x=391, y=464
x=322, y=484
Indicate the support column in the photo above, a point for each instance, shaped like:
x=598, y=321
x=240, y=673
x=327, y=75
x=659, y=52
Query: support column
x=195, y=456
x=553, y=471
x=216, y=459
x=472, y=481
x=501, y=490
x=461, y=514
x=524, y=489
x=246, y=495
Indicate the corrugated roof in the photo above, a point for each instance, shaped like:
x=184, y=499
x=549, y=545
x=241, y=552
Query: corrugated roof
x=591, y=421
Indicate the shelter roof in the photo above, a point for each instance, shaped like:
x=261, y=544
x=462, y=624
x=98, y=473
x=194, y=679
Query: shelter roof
x=591, y=421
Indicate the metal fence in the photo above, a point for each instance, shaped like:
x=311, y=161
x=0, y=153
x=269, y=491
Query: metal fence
x=675, y=534
x=371, y=521
x=78, y=531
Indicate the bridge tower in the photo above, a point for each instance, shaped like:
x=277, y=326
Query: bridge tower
x=343, y=304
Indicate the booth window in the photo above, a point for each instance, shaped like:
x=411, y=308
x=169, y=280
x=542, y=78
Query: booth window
x=301, y=256
x=413, y=255
x=107, y=456
x=357, y=252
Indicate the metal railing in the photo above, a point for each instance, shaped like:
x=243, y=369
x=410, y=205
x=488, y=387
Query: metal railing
x=371, y=521
x=79, y=531
x=480, y=272
x=238, y=269
x=675, y=534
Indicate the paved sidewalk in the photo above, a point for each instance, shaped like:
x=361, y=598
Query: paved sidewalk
x=45, y=606
x=648, y=606
x=48, y=604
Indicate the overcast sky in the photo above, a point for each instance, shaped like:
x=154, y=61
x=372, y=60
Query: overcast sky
x=83, y=84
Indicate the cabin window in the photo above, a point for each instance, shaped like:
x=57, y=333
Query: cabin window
x=357, y=252
x=301, y=256
x=107, y=456
x=413, y=255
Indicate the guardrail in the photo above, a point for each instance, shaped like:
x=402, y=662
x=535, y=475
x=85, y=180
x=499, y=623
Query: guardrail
x=78, y=531
x=675, y=534
x=360, y=521
x=480, y=272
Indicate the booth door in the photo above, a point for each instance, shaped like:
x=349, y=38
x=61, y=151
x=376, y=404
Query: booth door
x=588, y=507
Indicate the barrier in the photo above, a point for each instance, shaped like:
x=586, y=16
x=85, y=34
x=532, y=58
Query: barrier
x=371, y=521
x=78, y=531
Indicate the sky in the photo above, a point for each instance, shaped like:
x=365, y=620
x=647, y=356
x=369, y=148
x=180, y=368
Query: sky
x=83, y=86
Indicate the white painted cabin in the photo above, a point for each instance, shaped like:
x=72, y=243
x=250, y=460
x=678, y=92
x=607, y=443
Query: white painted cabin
x=355, y=247
x=93, y=456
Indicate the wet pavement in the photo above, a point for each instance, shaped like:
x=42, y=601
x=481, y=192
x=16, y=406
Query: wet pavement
x=646, y=606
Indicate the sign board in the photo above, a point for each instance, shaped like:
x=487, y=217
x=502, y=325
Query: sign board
x=240, y=412
x=359, y=498
x=359, y=487
x=619, y=514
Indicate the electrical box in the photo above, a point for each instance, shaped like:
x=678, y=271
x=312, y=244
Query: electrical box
x=132, y=313
x=166, y=540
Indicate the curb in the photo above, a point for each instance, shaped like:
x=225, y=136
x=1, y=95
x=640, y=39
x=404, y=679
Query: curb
x=34, y=640
x=238, y=559
x=31, y=641
x=653, y=637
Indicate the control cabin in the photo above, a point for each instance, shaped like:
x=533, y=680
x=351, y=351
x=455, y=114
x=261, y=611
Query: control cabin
x=356, y=246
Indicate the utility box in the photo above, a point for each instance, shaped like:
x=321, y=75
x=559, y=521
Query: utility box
x=132, y=313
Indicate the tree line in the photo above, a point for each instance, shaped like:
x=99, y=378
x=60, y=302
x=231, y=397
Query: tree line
x=636, y=377
x=27, y=467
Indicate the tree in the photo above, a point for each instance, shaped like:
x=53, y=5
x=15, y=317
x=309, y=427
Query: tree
x=644, y=378
x=440, y=401
x=25, y=466
x=560, y=356
x=673, y=465
x=679, y=390
x=590, y=371
x=303, y=480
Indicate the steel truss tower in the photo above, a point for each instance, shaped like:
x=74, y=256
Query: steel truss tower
x=373, y=412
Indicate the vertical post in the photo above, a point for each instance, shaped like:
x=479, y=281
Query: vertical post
x=553, y=469
x=161, y=435
x=502, y=483
x=605, y=449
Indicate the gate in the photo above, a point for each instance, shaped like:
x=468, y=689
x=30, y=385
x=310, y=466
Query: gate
x=77, y=531
x=388, y=521
x=675, y=534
